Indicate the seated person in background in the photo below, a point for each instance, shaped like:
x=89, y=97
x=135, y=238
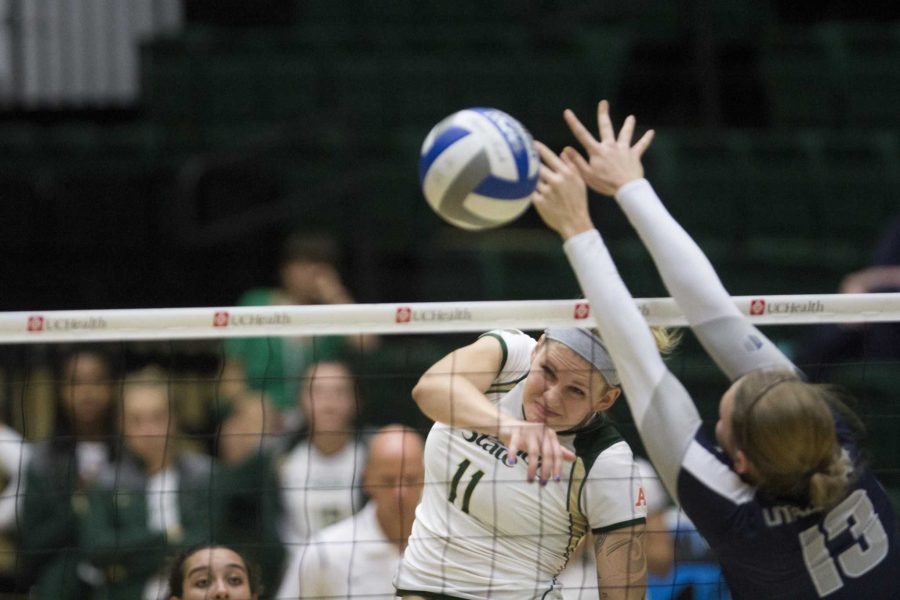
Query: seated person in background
x=81, y=447
x=152, y=503
x=14, y=457
x=357, y=557
x=307, y=275
x=832, y=344
x=319, y=473
x=214, y=571
x=245, y=496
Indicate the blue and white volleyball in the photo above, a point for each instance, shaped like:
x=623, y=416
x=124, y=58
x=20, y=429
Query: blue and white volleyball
x=478, y=168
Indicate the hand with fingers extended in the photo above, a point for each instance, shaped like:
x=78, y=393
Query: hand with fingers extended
x=612, y=162
x=542, y=446
x=561, y=196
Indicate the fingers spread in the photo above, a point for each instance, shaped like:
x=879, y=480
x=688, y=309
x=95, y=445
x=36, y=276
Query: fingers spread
x=642, y=144
x=548, y=156
x=581, y=133
x=627, y=131
x=580, y=163
x=607, y=134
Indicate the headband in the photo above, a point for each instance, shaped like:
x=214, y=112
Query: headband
x=589, y=347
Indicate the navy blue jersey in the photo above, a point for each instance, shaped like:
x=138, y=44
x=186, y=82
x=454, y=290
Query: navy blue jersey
x=780, y=549
x=768, y=549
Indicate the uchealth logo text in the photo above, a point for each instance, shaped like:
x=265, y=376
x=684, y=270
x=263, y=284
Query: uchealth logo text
x=224, y=319
x=493, y=446
x=40, y=323
x=405, y=315
x=757, y=306
x=760, y=306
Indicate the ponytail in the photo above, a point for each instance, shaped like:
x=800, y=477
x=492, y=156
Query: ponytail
x=828, y=486
x=666, y=339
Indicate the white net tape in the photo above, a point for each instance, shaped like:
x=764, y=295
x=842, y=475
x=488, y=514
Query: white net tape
x=396, y=318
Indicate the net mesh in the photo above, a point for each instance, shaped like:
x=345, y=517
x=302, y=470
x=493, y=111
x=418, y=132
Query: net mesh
x=76, y=504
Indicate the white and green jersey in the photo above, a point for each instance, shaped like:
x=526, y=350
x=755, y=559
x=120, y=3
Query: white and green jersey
x=482, y=531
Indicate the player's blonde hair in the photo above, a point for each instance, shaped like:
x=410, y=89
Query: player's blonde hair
x=786, y=429
x=666, y=338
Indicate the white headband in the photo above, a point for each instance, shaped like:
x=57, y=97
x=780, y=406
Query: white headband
x=588, y=346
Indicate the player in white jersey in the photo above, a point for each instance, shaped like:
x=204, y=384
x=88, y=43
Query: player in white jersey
x=785, y=503
x=320, y=475
x=507, y=409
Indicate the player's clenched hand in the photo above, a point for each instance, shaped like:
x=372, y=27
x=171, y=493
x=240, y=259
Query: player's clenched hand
x=612, y=162
x=541, y=444
x=561, y=197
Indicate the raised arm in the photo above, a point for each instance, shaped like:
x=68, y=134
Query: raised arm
x=663, y=411
x=452, y=391
x=613, y=168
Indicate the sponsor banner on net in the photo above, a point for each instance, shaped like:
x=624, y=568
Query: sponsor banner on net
x=762, y=306
x=41, y=323
x=223, y=318
x=407, y=314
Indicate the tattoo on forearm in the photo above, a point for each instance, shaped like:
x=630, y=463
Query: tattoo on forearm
x=623, y=568
x=615, y=546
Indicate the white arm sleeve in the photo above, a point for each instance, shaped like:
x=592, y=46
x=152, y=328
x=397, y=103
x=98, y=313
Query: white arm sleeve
x=663, y=411
x=728, y=336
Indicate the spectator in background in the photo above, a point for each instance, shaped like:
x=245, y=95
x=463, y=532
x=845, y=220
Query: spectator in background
x=213, y=571
x=80, y=449
x=833, y=344
x=320, y=472
x=245, y=494
x=307, y=275
x=14, y=455
x=153, y=501
x=357, y=557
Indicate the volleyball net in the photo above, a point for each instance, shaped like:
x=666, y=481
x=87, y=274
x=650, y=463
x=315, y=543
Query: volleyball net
x=261, y=495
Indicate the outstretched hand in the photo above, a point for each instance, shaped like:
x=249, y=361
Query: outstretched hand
x=561, y=197
x=542, y=446
x=612, y=162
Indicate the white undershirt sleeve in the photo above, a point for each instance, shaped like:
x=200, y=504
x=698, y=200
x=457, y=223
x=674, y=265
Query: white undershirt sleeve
x=727, y=335
x=663, y=411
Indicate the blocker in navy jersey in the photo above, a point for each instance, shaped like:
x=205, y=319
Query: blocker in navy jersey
x=478, y=168
x=781, y=549
x=769, y=548
x=817, y=525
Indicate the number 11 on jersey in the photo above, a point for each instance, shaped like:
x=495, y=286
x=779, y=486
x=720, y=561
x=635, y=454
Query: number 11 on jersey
x=454, y=484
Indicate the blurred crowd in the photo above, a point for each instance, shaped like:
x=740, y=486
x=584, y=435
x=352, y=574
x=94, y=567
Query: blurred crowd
x=283, y=470
x=130, y=471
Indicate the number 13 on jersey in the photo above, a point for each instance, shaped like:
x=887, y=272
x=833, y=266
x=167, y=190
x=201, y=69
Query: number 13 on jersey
x=857, y=515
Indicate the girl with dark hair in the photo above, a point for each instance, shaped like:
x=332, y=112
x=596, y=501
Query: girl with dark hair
x=81, y=447
x=212, y=572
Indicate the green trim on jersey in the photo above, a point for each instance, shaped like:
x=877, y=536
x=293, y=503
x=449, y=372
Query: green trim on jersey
x=589, y=443
x=578, y=523
x=403, y=593
x=503, y=347
x=594, y=439
x=501, y=387
x=615, y=526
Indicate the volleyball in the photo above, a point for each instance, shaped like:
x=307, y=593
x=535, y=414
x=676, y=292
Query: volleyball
x=478, y=168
